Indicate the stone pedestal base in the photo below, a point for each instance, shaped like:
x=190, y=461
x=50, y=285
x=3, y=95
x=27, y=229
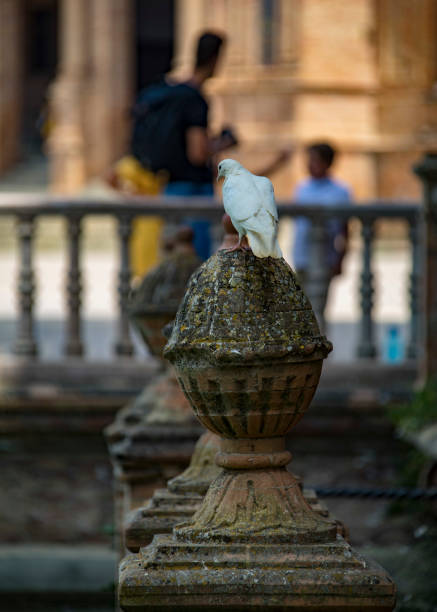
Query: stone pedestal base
x=166, y=509
x=255, y=543
x=177, y=575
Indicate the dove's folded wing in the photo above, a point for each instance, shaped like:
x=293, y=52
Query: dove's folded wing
x=261, y=231
x=261, y=223
x=265, y=188
x=241, y=198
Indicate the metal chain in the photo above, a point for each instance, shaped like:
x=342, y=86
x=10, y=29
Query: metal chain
x=400, y=493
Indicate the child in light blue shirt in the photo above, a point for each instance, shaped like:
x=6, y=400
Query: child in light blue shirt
x=320, y=188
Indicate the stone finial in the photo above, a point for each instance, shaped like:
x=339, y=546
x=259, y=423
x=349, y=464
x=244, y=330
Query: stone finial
x=241, y=309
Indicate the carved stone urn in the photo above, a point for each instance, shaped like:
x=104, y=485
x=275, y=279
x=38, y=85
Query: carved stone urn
x=248, y=354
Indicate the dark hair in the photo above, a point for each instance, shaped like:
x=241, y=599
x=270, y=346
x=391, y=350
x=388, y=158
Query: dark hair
x=208, y=48
x=324, y=151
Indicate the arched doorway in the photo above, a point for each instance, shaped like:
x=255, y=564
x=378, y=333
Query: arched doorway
x=28, y=59
x=154, y=23
x=39, y=69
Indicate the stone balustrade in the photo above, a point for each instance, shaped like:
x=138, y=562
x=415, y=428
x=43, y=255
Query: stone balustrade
x=28, y=210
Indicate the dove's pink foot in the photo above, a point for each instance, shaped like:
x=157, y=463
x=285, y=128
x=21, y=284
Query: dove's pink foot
x=237, y=247
x=241, y=246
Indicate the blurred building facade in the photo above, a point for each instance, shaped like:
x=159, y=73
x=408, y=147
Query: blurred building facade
x=361, y=74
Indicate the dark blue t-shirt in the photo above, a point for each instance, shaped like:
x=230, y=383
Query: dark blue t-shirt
x=172, y=110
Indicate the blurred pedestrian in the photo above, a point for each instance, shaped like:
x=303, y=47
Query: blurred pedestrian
x=321, y=188
x=189, y=147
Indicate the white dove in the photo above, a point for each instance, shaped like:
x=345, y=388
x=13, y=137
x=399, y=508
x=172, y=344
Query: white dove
x=250, y=202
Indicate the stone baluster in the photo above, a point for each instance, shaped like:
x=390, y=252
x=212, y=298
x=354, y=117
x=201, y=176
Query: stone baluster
x=317, y=282
x=366, y=346
x=414, y=230
x=73, y=345
x=124, y=344
x=427, y=172
x=25, y=343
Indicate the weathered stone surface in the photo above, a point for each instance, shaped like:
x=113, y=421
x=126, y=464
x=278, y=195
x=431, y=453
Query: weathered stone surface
x=248, y=354
x=165, y=509
x=169, y=575
x=239, y=309
x=256, y=506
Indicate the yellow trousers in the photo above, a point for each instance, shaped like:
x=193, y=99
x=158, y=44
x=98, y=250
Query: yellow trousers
x=146, y=231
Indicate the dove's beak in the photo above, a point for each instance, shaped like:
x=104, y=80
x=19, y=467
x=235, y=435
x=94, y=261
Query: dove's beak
x=219, y=175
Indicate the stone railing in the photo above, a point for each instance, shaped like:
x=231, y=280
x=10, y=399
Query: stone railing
x=367, y=214
x=27, y=210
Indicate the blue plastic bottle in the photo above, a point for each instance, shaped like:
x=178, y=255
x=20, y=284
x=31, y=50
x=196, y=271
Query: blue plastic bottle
x=394, y=352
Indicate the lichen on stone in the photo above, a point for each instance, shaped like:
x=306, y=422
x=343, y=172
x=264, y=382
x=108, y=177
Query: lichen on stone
x=241, y=308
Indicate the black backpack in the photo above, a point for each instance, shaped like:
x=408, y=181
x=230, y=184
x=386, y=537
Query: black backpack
x=156, y=115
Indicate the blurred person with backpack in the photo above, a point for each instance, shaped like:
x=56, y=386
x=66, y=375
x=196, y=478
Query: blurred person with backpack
x=170, y=134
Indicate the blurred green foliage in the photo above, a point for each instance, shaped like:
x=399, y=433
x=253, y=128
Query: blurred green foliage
x=420, y=412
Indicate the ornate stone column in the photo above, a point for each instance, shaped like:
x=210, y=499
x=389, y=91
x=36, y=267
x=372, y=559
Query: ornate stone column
x=248, y=355
x=111, y=88
x=152, y=438
x=92, y=94
x=67, y=141
x=189, y=20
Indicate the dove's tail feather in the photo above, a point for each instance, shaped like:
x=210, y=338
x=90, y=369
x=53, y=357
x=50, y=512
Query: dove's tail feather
x=263, y=246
